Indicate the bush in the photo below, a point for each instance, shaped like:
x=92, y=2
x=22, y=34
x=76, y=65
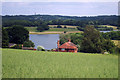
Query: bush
x=17, y=46
x=17, y=34
x=5, y=39
x=42, y=27
x=28, y=43
x=59, y=26
x=65, y=26
x=40, y=48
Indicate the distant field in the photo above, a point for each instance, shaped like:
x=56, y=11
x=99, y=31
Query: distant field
x=62, y=26
x=62, y=29
x=114, y=27
x=59, y=30
x=117, y=42
x=38, y=64
x=31, y=29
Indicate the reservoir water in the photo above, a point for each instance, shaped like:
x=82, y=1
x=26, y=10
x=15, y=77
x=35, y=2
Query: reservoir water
x=48, y=41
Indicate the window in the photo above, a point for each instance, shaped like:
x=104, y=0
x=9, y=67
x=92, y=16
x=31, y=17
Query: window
x=63, y=49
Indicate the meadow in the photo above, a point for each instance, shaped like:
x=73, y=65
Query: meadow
x=38, y=64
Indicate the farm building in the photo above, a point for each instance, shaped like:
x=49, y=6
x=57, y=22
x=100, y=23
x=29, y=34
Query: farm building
x=67, y=47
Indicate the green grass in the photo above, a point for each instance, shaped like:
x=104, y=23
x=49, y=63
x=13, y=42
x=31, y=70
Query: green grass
x=68, y=26
x=31, y=29
x=62, y=29
x=38, y=64
x=34, y=29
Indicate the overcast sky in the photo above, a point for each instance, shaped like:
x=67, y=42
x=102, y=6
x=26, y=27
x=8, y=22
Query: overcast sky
x=60, y=8
x=59, y=0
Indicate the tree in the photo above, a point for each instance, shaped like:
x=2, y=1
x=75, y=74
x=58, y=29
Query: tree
x=18, y=34
x=65, y=26
x=59, y=26
x=91, y=41
x=42, y=27
x=5, y=38
x=28, y=43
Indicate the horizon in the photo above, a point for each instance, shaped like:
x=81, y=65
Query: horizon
x=60, y=8
x=59, y=15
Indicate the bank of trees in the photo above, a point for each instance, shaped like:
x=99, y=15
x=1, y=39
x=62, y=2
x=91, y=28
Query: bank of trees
x=36, y=20
x=15, y=34
x=91, y=41
x=42, y=27
x=114, y=35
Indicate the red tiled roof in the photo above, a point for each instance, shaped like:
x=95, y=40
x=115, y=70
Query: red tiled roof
x=68, y=45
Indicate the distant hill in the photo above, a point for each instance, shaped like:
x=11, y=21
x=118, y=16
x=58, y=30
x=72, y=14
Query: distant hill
x=34, y=20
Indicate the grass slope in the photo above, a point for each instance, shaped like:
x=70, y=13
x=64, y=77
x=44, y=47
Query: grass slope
x=37, y=64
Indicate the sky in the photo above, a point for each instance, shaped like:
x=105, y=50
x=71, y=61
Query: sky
x=83, y=8
x=60, y=0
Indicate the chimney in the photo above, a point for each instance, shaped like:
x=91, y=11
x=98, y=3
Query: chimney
x=69, y=40
x=58, y=43
x=22, y=46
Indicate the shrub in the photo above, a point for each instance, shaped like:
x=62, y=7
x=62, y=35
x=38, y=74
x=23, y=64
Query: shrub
x=59, y=26
x=17, y=46
x=40, y=48
x=65, y=26
x=28, y=43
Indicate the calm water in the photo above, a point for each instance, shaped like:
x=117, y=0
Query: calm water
x=48, y=41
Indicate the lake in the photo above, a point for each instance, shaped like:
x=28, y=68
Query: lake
x=48, y=41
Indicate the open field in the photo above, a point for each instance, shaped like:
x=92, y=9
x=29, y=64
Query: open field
x=38, y=64
x=62, y=26
x=31, y=29
x=114, y=27
x=54, y=32
x=117, y=42
x=62, y=29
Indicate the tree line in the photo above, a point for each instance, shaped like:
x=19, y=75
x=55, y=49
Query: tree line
x=16, y=34
x=92, y=41
x=36, y=20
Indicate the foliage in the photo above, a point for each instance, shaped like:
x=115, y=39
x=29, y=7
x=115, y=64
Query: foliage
x=36, y=20
x=40, y=64
x=114, y=35
x=28, y=43
x=59, y=26
x=17, y=34
x=65, y=26
x=80, y=28
x=40, y=48
x=17, y=46
x=5, y=38
x=91, y=41
x=42, y=27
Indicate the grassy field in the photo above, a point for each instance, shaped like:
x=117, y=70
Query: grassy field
x=62, y=26
x=34, y=29
x=31, y=29
x=38, y=64
x=114, y=27
x=117, y=42
x=62, y=29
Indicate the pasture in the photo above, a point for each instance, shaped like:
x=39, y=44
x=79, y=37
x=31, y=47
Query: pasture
x=38, y=64
x=114, y=27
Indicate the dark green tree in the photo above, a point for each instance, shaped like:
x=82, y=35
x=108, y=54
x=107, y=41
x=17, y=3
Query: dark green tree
x=5, y=38
x=59, y=26
x=91, y=41
x=18, y=34
x=42, y=27
x=28, y=43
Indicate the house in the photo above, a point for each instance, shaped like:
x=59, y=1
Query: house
x=67, y=47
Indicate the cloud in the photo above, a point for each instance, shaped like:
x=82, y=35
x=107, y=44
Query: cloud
x=60, y=0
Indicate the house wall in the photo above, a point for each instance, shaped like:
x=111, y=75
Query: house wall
x=66, y=50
